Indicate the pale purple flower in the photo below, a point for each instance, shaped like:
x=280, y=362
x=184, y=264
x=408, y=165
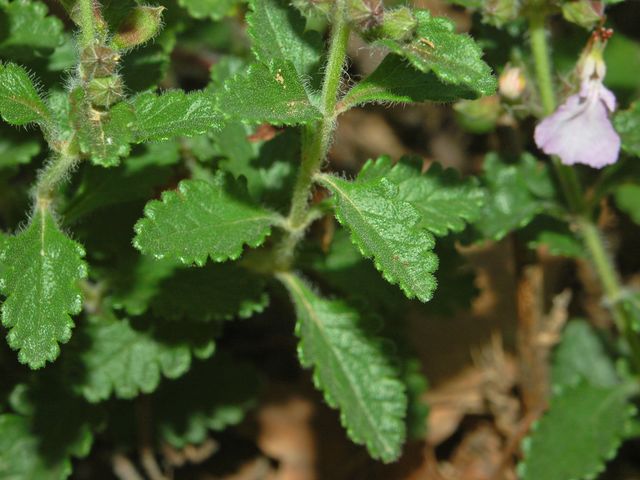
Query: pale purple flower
x=580, y=130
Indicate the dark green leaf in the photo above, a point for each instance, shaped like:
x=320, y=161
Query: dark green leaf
x=227, y=388
x=16, y=148
x=395, y=80
x=213, y=292
x=351, y=368
x=214, y=9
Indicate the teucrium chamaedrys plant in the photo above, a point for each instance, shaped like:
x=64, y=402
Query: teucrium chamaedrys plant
x=231, y=224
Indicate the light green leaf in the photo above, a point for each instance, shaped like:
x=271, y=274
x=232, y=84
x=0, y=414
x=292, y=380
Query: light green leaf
x=20, y=455
x=445, y=201
x=125, y=359
x=201, y=220
x=227, y=388
x=42, y=268
x=397, y=81
x=386, y=228
x=214, y=9
x=15, y=147
x=173, y=114
x=627, y=123
x=351, y=368
x=272, y=94
x=278, y=31
x=581, y=357
x=583, y=429
x=627, y=198
x=516, y=194
x=213, y=292
x=555, y=236
x=20, y=102
x=455, y=58
x=29, y=30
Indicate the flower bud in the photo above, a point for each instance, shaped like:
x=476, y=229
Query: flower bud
x=104, y=92
x=139, y=26
x=512, y=83
x=399, y=24
x=98, y=61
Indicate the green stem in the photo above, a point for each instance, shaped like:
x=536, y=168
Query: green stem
x=316, y=138
x=87, y=22
x=600, y=258
x=54, y=173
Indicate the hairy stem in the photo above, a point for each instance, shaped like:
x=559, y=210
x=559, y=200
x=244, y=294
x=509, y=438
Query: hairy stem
x=87, y=22
x=53, y=173
x=316, y=138
x=593, y=241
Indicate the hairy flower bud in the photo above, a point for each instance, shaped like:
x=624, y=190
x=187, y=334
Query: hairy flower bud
x=98, y=61
x=139, y=26
x=104, y=92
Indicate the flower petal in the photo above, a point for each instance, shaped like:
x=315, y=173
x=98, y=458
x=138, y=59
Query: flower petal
x=580, y=131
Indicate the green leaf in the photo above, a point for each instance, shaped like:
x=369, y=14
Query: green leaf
x=516, y=194
x=351, y=368
x=213, y=9
x=117, y=357
x=27, y=30
x=173, y=114
x=201, y=220
x=583, y=429
x=385, y=227
x=555, y=236
x=20, y=455
x=60, y=422
x=627, y=124
x=278, y=31
x=627, y=198
x=273, y=94
x=343, y=266
x=213, y=292
x=139, y=178
x=397, y=81
x=104, y=136
x=16, y=148
x=20, y=102
x=136, y=282
x=581, y=357
x=444, y=200
x=227, y=388
x=455, y=58
x=42, y=268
